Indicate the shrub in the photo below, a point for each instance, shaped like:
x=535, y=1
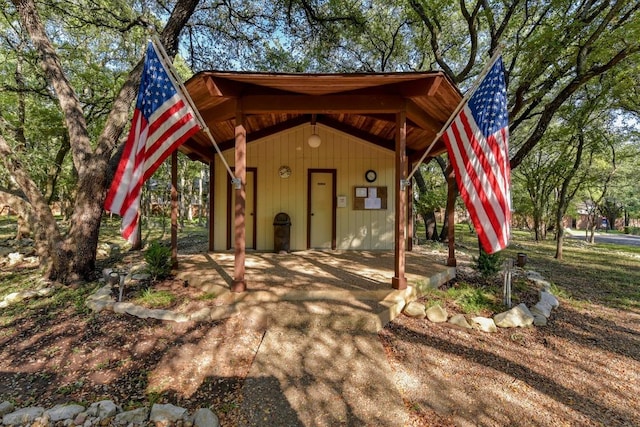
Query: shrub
x=158, y=259
x=488, y=265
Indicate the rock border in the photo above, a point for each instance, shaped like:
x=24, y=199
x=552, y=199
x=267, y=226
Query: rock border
x=106, y=412
x=103, y=299
x=519, y=316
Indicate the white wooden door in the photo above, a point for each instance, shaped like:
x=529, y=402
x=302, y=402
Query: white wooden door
x=321, y=212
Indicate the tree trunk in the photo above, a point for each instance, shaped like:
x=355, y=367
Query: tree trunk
x=73, y=258
x=430, y=226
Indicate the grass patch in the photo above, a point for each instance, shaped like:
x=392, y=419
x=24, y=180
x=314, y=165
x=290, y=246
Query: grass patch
x=470, y=299
x=208, y=296
x=152, y=298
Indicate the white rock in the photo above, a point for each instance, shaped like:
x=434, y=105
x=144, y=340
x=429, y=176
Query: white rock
x=122, y=307
x=22, y=416
x=6, y=407
x=15, y=258
x=518, y=317
x=14, y=297
x=138, y=311
x=135, y=416
x=205, y=418
x=141, y=276
x=102, y=409
x=534, y=275
x=44, y=292
x=460, y=320
x=166, y=412
x=415, y=309
x=437, y=314
x=539, y=320
x=541, y=308
x=64, y=412
x=549, y=298
x=484, y=324
x=4, y=304
x=201, y=315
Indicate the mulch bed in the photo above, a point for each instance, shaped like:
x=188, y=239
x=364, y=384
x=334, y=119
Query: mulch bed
x=582, y=369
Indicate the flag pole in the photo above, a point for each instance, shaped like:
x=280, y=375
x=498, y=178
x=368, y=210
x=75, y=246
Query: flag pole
x=173, y=75
x=453, y=115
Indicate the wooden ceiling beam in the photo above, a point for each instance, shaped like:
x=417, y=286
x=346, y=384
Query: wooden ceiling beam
x=421, y=118
x=266, y=132
x=220, y=87
x=324, y=104
x=220, y=113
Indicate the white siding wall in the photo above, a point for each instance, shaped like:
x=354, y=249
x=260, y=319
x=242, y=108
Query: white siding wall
x=351, y=157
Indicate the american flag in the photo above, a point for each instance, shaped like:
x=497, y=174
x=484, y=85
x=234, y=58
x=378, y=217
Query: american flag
x=477, y=142
x=162, y=121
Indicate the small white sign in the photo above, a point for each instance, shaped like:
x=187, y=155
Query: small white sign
x=342, y=201
x=361, y=191
x=370, y=203
x=373, y=192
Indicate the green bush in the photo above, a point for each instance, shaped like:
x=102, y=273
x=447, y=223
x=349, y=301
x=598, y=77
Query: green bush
x=158, y=259
x=488, y=265
x=632, y=230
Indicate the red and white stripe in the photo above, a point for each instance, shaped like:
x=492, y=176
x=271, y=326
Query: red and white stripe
x=148, y=145
x=482, y=172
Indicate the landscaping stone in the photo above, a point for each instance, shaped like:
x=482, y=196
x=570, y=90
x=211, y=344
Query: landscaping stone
x=518, y=317
x=437, y=314
x=201, y=315
x=105, y=413
x=205, y=418
x=102, y=409
x=141, y=276
x=121, y=307
x=22, y=416
x=6, y=407
x=136, y=416
x=484, y=324
x=460, y=320
x=415, y=309
x=542, y=308
x=549, y=298
x=166, y=413
x=15, y=258
x=539, y=320
x=63, y=412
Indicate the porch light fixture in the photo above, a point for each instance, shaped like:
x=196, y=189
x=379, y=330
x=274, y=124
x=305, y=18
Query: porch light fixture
x=314, y=140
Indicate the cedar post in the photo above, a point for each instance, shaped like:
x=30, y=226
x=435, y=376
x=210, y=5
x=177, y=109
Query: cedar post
x=212, y=186
x=451, y=212
x=399, y=281
x=174, y=209
x=239, y=284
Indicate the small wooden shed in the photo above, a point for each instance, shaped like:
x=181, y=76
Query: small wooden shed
x=331, y=151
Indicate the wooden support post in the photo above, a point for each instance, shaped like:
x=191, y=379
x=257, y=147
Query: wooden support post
x=399, y=281
x=410, y=217
x=174, y=209
x=212, y=186
x=452, y=191
x=239, y=284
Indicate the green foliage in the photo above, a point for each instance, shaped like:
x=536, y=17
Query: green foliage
x=471, y=299
x=488, y=265
x=153, y=298
x=632, y=230
x=158, y=259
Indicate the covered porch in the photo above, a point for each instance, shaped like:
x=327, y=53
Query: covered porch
x=345, y=284
x=399, y=113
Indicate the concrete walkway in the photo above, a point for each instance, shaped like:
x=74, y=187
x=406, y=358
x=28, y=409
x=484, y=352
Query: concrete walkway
x=320, y=362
